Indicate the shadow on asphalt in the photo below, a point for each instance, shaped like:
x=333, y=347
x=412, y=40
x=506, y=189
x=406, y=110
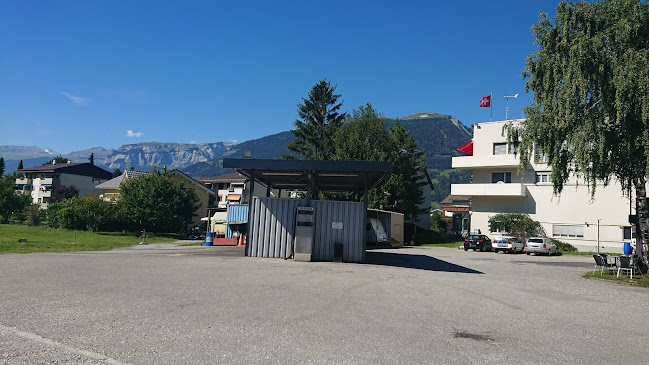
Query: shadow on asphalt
x=409, y=261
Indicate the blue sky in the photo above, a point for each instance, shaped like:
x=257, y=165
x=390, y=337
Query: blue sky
x=83, y=74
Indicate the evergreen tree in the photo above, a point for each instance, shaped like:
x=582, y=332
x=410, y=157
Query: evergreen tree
x=318, y=123
x=403, y=192
x=20, y=165
x=116, y=173
x=2, y=166
x=57, y=159
x=590, y=113
x=92, y=158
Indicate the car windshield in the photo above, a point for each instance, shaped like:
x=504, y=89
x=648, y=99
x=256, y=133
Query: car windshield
x=536, y=240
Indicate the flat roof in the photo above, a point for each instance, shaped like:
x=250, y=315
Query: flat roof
x=326, y=175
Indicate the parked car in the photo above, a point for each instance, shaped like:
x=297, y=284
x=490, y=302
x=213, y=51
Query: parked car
x=539, y=245
x=508, y=244
x=477, y=242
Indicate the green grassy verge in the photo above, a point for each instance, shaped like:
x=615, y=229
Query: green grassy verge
x=640, y=280
x=43, y=239
x=449, y=242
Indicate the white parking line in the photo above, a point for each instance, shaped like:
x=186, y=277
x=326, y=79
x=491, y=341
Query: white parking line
x=47, y=342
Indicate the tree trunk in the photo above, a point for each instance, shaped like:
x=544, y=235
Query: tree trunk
x=642, y=212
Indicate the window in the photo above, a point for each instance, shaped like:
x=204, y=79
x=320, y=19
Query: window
x=543, y=177
x=567, y=230
x=627, y=233
x=500, y=148
x=497, y=177
x=539, y=155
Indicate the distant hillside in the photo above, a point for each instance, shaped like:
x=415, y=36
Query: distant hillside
x=440, y=135
x=141, y=156
x=269, y=147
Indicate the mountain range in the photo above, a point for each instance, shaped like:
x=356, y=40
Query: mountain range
x=439, y=135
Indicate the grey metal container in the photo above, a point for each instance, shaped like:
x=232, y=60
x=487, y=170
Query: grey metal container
x=272, y=228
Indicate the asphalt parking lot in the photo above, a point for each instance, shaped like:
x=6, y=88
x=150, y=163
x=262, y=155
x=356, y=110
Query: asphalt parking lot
x=195, y=305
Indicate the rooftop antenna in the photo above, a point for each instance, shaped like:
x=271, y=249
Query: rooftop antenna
x=507, y=105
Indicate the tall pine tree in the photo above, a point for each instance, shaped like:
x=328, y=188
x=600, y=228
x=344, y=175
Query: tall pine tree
x=20, y=165
x=318, y=123
x=2, y=166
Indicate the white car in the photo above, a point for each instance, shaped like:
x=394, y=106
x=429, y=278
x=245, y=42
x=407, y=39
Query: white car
x=539, y=245
x=507, y=244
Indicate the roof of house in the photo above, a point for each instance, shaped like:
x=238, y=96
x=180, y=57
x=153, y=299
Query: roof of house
x=193, y=181
x=134, y=174
x=82, y=169
x=451, y=199
x=228, y=178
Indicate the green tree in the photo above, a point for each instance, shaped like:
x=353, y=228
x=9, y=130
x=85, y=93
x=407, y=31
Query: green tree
x=10, y=201
x=157, y=203
x=519, y=225
x=63, y=192
x=57, y=159
x=590, y=113
x=318, y=123
x=403, y=191
x=92, y=158
x=2, y=166
x=20, y=165
x=362, y=137
x=116, y=173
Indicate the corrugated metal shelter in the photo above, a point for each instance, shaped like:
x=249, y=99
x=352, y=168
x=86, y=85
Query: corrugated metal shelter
x=271, y=228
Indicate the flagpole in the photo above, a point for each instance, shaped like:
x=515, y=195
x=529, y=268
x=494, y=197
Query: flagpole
x=491, y=107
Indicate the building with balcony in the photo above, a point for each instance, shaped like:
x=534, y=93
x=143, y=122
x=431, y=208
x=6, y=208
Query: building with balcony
x=572, y=217
x=39, y=181
x=228, y=188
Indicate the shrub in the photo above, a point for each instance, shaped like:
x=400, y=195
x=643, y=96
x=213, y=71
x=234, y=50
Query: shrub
x=564, y=246
x=34, y=214
x=519, y=225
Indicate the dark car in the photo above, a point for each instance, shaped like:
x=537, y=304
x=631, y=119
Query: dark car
x=477, y=242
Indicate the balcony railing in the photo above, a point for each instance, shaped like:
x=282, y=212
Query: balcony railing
x=47, y=181
x=513, y=190
x=45, y=194
x=24, y=181
x=489, y=161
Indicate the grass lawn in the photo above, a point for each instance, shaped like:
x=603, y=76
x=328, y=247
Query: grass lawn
x=640, y=280
x=43, y=239
x=448, y=242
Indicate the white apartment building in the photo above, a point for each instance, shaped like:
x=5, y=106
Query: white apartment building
x=571, y=217
x=40, y=181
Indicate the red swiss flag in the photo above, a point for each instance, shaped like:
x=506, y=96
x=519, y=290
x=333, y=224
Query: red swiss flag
x=485, y=102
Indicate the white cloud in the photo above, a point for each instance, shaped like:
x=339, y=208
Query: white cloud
x=134, y=134
x=79, y=100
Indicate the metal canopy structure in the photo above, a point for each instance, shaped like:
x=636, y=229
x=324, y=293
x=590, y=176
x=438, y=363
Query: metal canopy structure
x=312, y=175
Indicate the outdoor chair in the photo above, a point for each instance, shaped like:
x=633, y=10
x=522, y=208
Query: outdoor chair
x=627, y=263
x=602, y=263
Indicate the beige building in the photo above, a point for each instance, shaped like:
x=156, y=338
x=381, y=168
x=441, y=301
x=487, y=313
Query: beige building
x=571, y=217
x=40, y=181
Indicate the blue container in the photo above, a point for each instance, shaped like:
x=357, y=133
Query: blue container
x=235, y=213
x=627, y=248
x=209, y=238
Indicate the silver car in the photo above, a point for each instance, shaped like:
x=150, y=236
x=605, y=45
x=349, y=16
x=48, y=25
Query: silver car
x=539, y=245
x=507, y=244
